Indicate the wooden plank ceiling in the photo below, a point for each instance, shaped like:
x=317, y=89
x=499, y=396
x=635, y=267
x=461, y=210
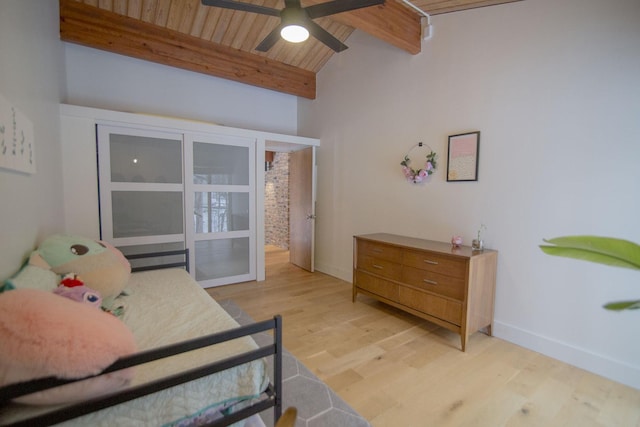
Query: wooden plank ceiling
x=221, y=42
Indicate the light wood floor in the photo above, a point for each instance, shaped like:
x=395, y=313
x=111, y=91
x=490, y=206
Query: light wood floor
x=400, y=371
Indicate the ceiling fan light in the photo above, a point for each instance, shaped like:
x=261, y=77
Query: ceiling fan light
x=294, y=33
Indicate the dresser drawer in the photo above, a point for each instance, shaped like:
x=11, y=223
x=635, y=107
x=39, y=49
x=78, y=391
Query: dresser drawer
x=442, y=308
x=437, y=263
x=380, y=251
x=377, y=285
x=452, y=287
x=378, y=266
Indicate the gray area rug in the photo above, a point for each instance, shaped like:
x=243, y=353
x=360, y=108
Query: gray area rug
x=317, y=404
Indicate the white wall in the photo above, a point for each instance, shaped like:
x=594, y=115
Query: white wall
x=553, y=87
x=32, y=79
x=114, y=82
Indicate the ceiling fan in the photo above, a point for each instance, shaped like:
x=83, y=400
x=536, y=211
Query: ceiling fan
x=296, y=22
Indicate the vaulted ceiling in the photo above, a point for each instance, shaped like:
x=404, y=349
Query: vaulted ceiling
x=221, y=42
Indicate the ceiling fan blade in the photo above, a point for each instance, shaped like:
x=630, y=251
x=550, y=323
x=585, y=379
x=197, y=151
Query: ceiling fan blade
x=324, y=36
x=292, y=3
x=244, y=7
x=338, y=6
x=271, y=39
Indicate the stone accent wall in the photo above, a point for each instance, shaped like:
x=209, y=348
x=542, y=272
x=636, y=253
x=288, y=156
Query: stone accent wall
x=276, y=202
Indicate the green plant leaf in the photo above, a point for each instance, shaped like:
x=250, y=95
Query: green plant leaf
x=601, y=250
x=623, y=305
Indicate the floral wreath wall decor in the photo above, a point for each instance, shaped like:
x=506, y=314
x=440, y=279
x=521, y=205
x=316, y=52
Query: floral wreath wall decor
x=417, y=176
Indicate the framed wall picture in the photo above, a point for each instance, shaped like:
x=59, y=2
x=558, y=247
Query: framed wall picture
x=462, y=161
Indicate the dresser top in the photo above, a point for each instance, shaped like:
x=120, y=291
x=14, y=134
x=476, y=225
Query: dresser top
x=422, y=244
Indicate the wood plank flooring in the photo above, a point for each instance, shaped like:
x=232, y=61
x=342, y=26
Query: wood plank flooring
x=398, y=370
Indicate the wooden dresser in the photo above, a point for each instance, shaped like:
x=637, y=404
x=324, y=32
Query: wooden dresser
x=451, y=287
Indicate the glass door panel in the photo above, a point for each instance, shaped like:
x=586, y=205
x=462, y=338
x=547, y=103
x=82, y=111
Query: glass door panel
x=220, y=258
x=220, y=164
x=145, y=159
x=147, y=213
x=221, y=192
x=220, y=212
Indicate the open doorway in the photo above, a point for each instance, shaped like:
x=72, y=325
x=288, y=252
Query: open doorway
x=276, y=204
x=289, y=201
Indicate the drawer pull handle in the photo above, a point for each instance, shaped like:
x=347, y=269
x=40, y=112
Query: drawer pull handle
x=428, y=261
x=379, y=267
x=431, y=282
x=377, y=250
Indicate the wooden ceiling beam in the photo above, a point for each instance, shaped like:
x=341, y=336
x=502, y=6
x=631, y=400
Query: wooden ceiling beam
x=437, y=7
x=101, y=29
x=391, y=22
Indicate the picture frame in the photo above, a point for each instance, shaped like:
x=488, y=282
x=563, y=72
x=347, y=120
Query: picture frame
x=462, y=158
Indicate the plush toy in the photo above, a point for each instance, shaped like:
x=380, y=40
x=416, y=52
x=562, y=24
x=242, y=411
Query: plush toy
x=72, y=287
x=102, y=267
x=43, y=334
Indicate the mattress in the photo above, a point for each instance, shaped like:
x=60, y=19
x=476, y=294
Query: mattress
x=164, y=307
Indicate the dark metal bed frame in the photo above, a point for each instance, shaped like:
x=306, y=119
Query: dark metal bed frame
x=180, y=264
x=270, y=398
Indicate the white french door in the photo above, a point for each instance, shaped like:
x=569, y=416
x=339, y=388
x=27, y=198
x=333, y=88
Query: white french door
x=141, y=187
x=164, y=191
x=220, y=197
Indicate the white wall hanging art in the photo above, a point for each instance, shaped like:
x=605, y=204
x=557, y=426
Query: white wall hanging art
x=17, y=145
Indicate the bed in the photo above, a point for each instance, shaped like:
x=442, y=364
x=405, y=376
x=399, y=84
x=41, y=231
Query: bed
x=195, y=364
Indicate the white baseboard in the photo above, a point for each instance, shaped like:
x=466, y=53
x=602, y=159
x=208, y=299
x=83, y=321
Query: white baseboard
x=346, y=275
x=589, y=361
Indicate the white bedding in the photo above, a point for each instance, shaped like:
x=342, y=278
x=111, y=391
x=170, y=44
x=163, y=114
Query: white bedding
x=165, y=307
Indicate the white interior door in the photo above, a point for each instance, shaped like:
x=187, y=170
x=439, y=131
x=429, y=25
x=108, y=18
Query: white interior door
x=302, y=201
x=220, y=203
